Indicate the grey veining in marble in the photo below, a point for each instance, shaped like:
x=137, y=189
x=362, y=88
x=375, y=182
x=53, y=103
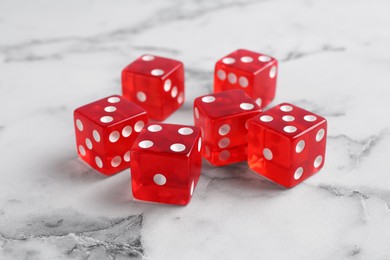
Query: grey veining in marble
x=55, y=56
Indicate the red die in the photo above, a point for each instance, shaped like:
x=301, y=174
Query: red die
x=105, y=132
x=287, y=144
x=222, y=118
x=156, y=84
x=252, y=72
x=165, y=163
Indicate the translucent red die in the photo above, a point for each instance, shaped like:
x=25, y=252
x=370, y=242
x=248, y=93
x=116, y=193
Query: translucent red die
x=287, y=144
x=223, y=118
x=156, y=84
x=252, y=72
x=166, y=163
x=105, y=131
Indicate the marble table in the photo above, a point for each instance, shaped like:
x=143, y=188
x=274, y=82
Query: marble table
x=55, y=56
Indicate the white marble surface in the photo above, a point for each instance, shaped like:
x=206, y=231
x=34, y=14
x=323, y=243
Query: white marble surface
x=55, y=56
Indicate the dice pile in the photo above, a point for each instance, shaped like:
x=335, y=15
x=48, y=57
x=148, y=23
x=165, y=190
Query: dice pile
x=286, y=144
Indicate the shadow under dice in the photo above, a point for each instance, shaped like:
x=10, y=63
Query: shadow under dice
x=252, y=72
x=287, y=144
x=166, y=163
x=105, y=132
x=223, y=118
x=156, y=84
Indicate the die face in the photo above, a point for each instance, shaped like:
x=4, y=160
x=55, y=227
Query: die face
x=223, y=119
x=156, y=84
x=252, y=72
x=166, y=162
x=287, y=144
x=105, y=132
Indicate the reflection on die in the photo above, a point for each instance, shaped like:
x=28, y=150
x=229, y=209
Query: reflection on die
x=105, y=131
x=166, y=163
x=287, y=144
x=156, y=84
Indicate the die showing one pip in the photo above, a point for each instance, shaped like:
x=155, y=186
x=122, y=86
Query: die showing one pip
x=287, y=144
x=252, y=72
x=105, y=131
x=166, y=163
x=156, y=84
x=222, y=118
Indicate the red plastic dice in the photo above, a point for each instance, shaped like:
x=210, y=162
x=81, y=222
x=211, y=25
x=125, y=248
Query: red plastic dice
x=252, y=72
x=222, y=118
x=156, y=84
x=105, y=132
x=287, y=144
x=166, y=163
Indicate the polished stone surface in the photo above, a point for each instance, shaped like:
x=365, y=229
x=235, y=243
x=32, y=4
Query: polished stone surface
x=55, y=56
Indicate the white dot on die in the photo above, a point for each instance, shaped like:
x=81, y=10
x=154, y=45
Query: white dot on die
x=138, y=126
x=199, y=144
x=126, y=157
x=154, y=128
x=272, y=72
x=145, y=144
x=310, y=118
x=167, y=85
x=96, y=135
x=266, y=118
x=320, y=134
x=196, y=112
x=110, y=109
x=264, y=58
x=224, y=155
x=300, y=146
x=116, y=161
x=288, y=118
x=317, y=161
x=114, y=136
x=232, y=78
x=192, y=188
x=267, y=153
x=208, y=99
x=258, y=101
x=178, y=147
x=286, y=108
x=79, y=125
x=147, y=57
x=141, y=96
x=126, y=131
x=224, y=142
x=246, y=106
x=246, y=59
x=157, y=72
x=180, y=98
x=88, y=143
x=289, y=129
x=298, y=173
x=98, y=162
x=174, y=92
x=224, y=129
x=185, y=131
x=82, y=150
x=228, y=60
x=159, y=179
x=243, y=81
x=106, y=119
x=113, y=100
x=221, y=74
